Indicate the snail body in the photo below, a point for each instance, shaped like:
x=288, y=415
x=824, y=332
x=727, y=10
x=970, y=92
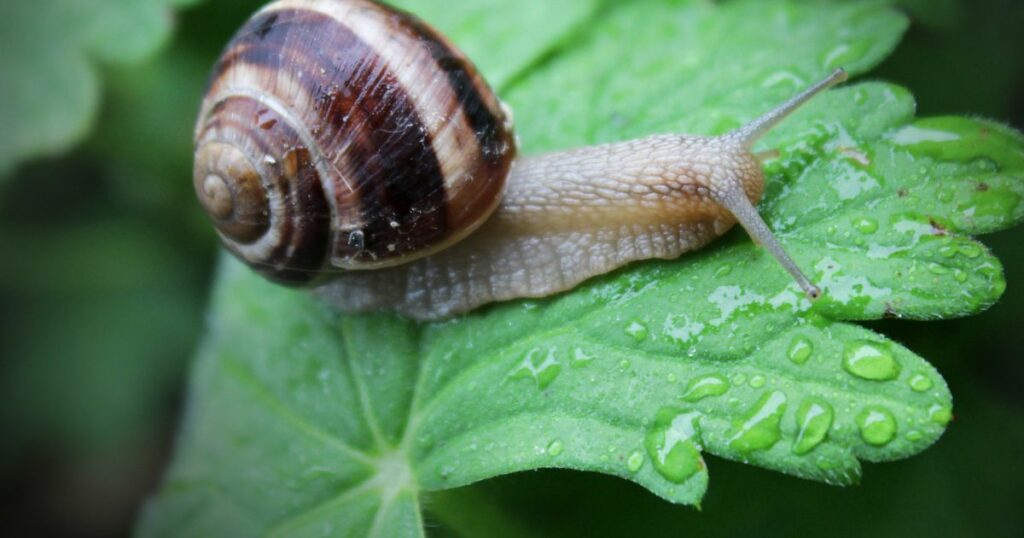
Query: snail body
x=348, y=146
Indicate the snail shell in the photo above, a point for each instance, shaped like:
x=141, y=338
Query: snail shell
x=341, y=135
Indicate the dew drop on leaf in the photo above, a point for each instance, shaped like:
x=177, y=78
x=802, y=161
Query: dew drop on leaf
x=940, y=414
x=877, y=425
x=865, y=225
x=635, y=461
x=580, y=358
x=540, y=365
x=813, y=419
x=555, y=448
x=844, y=53
x=870, y=360
x=800, y=350
x=994, y=204
x=760, y=429
x=920, y=382
x=704, y=387
x=758, y=381
x=673, y=444
x=913, y=135
x=637, y=330
x=681, y=329
x=827, y=464
x=971, y=251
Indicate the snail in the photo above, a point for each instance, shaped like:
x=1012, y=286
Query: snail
x=347, y=146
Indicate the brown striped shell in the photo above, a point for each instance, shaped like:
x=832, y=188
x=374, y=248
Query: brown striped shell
x=342, y=135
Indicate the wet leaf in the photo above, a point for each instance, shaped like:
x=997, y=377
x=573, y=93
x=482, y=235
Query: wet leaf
x=304, y=421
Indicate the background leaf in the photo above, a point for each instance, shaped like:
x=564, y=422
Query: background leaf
x=50, y=85
x=602, y=378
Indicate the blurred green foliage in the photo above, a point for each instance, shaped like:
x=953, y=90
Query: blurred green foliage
x=107, y=263
x=51, y=47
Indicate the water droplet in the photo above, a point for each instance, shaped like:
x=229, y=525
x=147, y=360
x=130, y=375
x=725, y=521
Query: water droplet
x=994, y=203
x=637, y=330
x=624, y=364
x=580, y=358
x=826, y=464
x=673, y=444
x=877, y=425
x=971, y=251
x=912, y=135
x=840, y=55
x=870, y=360
x=914, y=435
x=787, y=78
x=722, y=271
x=555, y=448
x=940, y=414
x=542, y=367
x=800, y=349
x=758, y=381
x=733, y=301
x=937, y=269
x=814, y=418
x=635, y=461
x=705, y=386
x=947, y=251
x=960, y=276
x=672, y=378
x=357, y=240
x=851, y=292
x=739, y=379
x=853, y=183
x=760, y=429
x=681, y=329
x=920, y=382
x=866, y=225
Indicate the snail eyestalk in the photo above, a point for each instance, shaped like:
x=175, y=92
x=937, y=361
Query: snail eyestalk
x=737, y=203
x=753, y=131
x=733, y=198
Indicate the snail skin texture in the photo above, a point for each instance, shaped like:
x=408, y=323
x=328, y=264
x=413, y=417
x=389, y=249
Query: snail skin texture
x=349, y=147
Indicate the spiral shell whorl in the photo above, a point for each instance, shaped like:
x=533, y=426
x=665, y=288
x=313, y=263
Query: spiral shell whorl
x=263, y=192
x=340, y=135
x=232, y=193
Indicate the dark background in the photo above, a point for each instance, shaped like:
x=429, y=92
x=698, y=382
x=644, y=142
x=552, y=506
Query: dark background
x=107, y=263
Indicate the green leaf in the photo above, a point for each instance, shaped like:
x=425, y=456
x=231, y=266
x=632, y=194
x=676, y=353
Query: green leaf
x=304, y=421
x=50, y=87
x=506, y=38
